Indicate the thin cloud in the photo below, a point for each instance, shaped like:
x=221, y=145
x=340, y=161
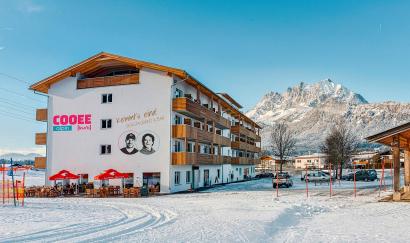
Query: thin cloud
x=2, y=48
x=30, y=7
x=8, y=28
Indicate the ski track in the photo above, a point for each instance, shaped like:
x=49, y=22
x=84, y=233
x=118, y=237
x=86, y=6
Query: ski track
x=148, y=218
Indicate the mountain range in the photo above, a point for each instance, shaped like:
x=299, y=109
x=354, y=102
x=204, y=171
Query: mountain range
x=311, y=109
x=19, y=156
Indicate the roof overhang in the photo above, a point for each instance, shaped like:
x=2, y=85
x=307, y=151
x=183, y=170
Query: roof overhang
x=401, y=132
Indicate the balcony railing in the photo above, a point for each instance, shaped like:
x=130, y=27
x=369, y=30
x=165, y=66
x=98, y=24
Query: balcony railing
x=239, y=129
x=245, y=146
x=41, y=138
x=193, y=133
x=41, y=115
x=187, y=158
x=194, y=109
x=244, y=161
x=40, y=162
x=108, y=81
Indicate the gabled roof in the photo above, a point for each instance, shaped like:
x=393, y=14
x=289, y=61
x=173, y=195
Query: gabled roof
x=104, y=59
x=100, y=60
x=386, y=137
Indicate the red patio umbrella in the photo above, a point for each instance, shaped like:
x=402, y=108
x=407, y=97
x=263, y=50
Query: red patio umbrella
x=63, y=175
x=111, y=174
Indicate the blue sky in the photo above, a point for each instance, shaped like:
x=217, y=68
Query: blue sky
x=246, y=48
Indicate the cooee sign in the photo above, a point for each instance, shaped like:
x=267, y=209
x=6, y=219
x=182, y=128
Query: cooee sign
x=72, y=119
x=66, y=122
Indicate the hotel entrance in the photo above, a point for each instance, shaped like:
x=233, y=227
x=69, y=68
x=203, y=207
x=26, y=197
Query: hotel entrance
x=152, y=181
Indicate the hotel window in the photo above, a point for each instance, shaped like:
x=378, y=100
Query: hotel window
x=105, y=149
x=188, y=177
x=106, y=98
x=178, y=93
x=178, y=120
x=190, y=148
x=177, y=177
x=106, y=123
x=177, y=146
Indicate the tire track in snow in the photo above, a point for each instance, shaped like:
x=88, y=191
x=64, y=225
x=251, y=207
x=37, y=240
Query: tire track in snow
x=125, y=226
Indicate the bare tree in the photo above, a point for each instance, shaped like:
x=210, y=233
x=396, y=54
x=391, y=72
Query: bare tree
x=283, y=141
x=339, y=145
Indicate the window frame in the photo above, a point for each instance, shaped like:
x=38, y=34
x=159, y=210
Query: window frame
x=177, y=175
x=188, y=177
x=106, y=123
x=108, y=98
x=107, y=149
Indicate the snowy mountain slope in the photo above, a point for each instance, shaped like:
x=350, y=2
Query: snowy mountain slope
x=310, y=109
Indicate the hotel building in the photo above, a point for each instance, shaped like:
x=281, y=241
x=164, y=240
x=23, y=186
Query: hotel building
x=157, y=123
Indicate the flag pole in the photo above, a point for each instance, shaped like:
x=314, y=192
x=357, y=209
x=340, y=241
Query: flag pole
x=12, y=181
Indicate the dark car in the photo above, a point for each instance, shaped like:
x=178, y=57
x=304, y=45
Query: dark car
x=284, y=174
x=264, y=175
x=362, y=175
x=281, y=181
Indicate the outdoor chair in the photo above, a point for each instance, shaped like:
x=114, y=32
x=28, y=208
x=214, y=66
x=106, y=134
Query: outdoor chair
x=134, y=192
x=96, y=193
x=126, y=192
x=88, y=193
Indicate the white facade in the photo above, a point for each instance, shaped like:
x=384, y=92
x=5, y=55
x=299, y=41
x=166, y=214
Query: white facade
x=139, y=109
x=316, y=160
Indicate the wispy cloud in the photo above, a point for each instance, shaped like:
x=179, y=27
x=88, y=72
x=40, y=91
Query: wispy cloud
x=29, y=6
x=7, y=28
x=2, y=48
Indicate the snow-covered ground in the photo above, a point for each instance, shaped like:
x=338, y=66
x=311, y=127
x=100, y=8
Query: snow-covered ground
x=241, y=212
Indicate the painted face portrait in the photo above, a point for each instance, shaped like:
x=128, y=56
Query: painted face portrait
x=148, y=141
x=129, y=144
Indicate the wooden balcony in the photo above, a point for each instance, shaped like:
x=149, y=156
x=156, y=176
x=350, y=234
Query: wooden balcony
x=239, y=160
x=40, y=162
x=41, y=138
x=223, y=141
x=245, y=146
x=244, y=161
x=108, y=81
x=186, y=131
x=183, y=158
x=187, y=158
x=238, y=129
x=194, y=133
x=41, y=115
x=199, y=112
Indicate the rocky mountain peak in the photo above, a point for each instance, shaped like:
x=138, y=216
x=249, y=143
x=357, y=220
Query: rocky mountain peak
x=310, y=109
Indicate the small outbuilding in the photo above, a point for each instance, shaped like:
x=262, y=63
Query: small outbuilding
x=398, y=138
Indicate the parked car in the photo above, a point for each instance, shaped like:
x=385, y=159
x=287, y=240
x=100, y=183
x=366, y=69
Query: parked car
x=282, y=181
x=362, y=175
x=264, y=175
x=316, y=176
x=284, y=174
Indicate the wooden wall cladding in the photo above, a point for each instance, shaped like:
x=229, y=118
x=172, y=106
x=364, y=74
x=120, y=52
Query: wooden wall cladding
x=108, y=81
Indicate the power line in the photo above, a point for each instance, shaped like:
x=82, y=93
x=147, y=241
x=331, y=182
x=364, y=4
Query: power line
x=18, y=104
x=18, y=114
x=19, y=94
x=12, y=77
x=29, y=112
x=18, y=117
